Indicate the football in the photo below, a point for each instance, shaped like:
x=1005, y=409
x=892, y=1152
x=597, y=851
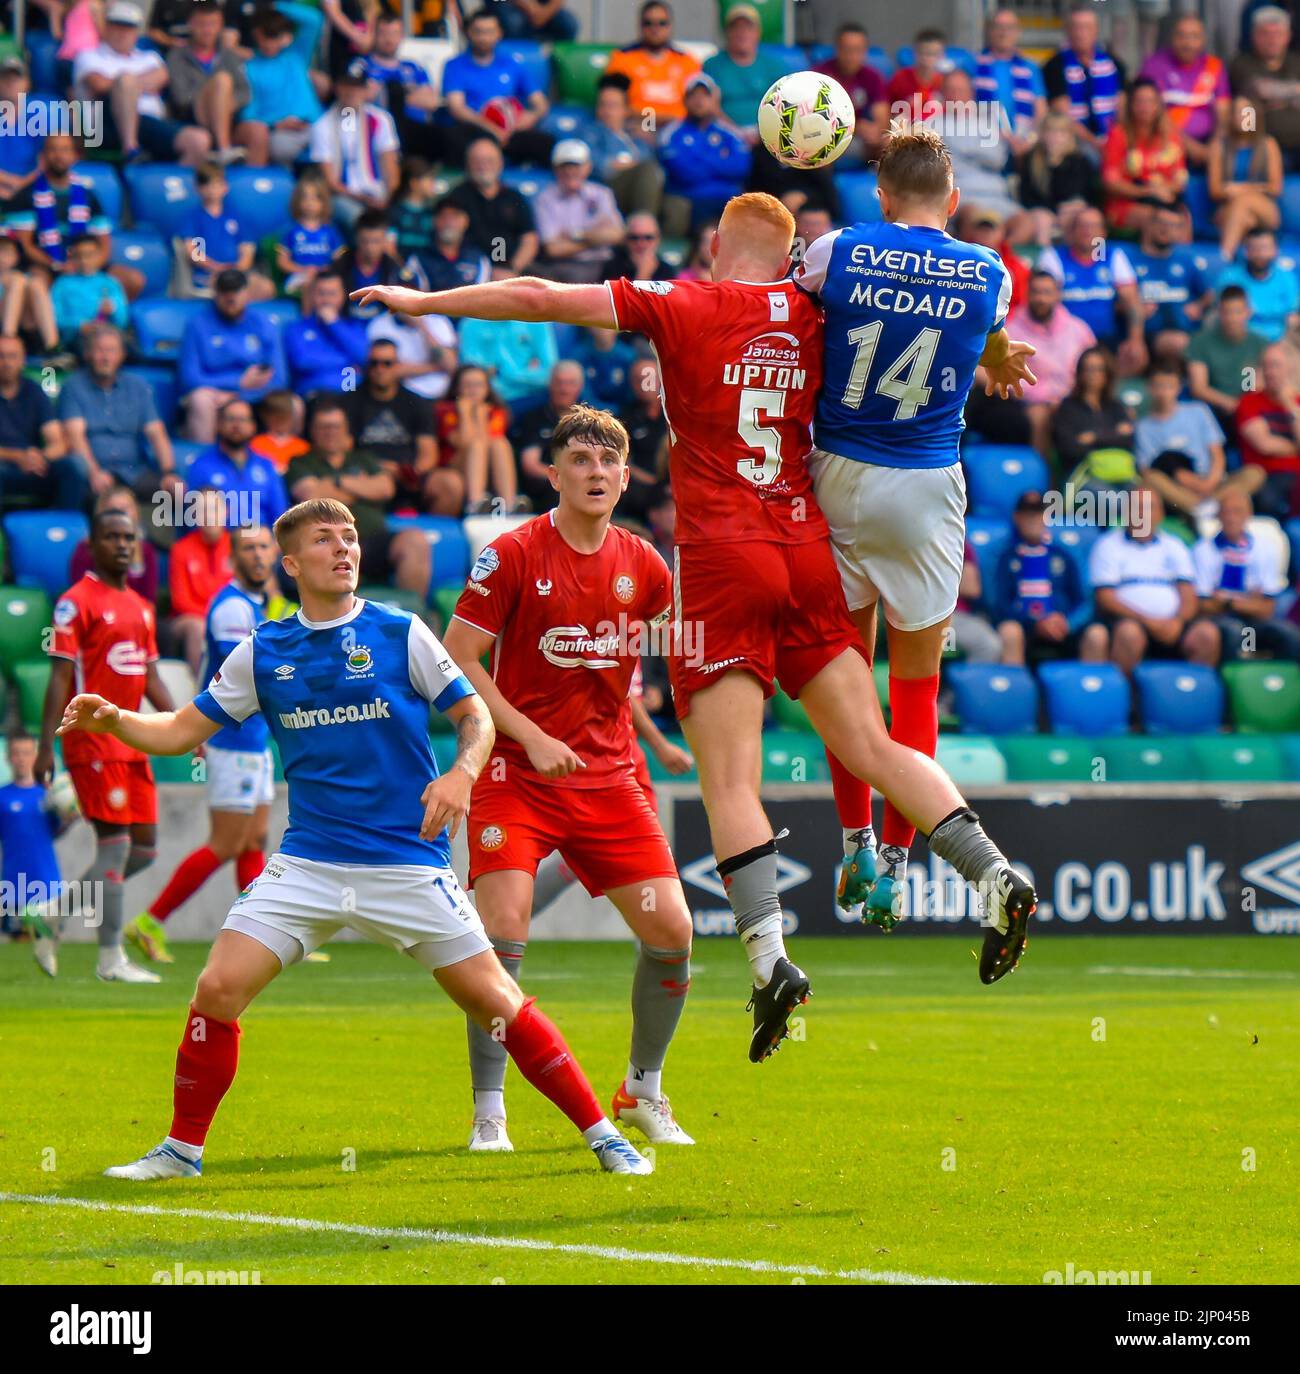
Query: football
x=806, y=119
x=61, y=798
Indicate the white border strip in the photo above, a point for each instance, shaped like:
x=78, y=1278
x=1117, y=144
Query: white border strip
x=617, y=1254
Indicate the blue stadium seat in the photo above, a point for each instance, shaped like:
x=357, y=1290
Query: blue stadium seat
x=989, y=535
x=793, y=57
x=1086, y=698
x=447, y=543
x=958, y=57
x=186, y=452
x=108, y=188
x=1077, y=541
x=1179, y=698
x=857, y=193
x=259, y=200
x=527, y=180
x=567, y=121
x=530, y=55
x=1196, y=196
x=162, y=194
x=165, y=387
x=159, y=322
x=40, y=547
x=1290, y=747
x=1208, y=260
x=281, y=311
x=42, y=52
x=996, y=475
x=1291, y=204
x=145, y=250
x=993, y=700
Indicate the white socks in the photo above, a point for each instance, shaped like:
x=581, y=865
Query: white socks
x=604, y=1127
x=489, y=1104
x=862, y=838
x=764, y=945
x=646, y=1083
x=193, y=1153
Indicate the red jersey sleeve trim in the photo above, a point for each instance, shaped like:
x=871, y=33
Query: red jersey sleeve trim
x=482, y=629
x=613, y=304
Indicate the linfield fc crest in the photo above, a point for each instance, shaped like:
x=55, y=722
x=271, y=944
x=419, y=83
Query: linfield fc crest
x=359, y=660
x=624, y=588
x=492, y=837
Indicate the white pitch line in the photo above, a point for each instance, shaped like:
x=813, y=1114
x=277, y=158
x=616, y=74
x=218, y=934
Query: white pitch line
x=617, y=1253
x=1146, y=971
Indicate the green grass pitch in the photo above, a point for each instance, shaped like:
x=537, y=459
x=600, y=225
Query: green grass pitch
x=1122, y=1104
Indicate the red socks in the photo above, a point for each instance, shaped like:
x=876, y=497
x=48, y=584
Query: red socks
x=205, y=1068
x=914, y=712
x=852, y=795
x=191, y=873
x=248, y=866
x=535, y=1044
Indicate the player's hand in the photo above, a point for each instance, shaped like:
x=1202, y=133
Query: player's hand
x=88, y=712
x=401, y=300
x=446, y=803
x=45, y=764
x=1007, y=378
x=674, y=758
x=552, y=758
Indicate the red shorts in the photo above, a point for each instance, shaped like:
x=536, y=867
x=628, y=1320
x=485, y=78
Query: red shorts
x=774, y=610
x=609, y=836
x=641, y=771
x=119, y=791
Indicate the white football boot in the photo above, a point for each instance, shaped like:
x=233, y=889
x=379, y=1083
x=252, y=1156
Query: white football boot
x=115, y=967
x=653, y=1117
x=618, y=1155
x=488, y=1136
x=45, y=949
x=161, y=1162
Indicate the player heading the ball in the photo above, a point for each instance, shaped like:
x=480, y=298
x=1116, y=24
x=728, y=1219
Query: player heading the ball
x=345, y=686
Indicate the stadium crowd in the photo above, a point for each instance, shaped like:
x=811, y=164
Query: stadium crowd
x=184, y=341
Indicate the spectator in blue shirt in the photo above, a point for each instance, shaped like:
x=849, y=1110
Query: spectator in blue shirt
x=705, y=162
x=84, y=293
x=536, y=19
x=30, y=872
x=1173, y=289
x=518, y=355
x=452, y=260
x=605, y=357
x=215, y=239
x=112, y=424
x=248, y=481
x=226, y=351
x=487, y=92
x=1270, y=285
x=325, y=350
x=403, y=88
x=624, y=162
x=1040, y=602
x=276, y=123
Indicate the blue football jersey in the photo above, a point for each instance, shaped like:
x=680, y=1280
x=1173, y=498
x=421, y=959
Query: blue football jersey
x=347, y=701
x=232, y=617
x=908, y=314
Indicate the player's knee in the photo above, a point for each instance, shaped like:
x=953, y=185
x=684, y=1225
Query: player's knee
x=505, y=923
x=220, y=992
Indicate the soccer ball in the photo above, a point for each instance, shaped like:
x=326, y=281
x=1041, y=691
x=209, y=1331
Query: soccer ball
x=806, y=120
x=61, y=798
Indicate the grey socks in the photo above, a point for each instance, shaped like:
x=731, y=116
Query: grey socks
x=487, y=1055
x=750, y=881
x=960, y=840
x=659, y=989
x=106, y=876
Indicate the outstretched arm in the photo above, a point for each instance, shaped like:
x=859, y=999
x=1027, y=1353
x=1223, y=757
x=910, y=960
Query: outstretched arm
x=517, y=298
x=168, y=732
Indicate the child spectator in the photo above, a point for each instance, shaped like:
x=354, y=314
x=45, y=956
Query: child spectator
x=29, y=824
x=311, y=241
x=279, y=440
x=84, y=293
x=410, y=216
x=214, y=240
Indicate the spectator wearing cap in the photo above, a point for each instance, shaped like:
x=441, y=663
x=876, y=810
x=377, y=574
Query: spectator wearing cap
x=743, y=70
x=624, y=162
x=1268, y=427
x=1006, y=77
x=130, y=80
x=1039, y=600
x=656, y=70
x=276, y=124
x=111, y=422
x=536, y=19
x=866, y=87
x=1194, y=84
x=354, y=143
x=451, y=260
x=227, y=350
x=501, y=224
x=578, y=221
x=326, y=349
x=1145, y=589
x=490, y=93
x=705, y=161
x=1238, y=582
x=1268, y=72
x=1083, y=80
x=207, y=84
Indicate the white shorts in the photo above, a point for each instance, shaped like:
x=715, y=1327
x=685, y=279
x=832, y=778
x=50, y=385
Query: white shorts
x=298, y=904
x=238, y=781
x=899, y=535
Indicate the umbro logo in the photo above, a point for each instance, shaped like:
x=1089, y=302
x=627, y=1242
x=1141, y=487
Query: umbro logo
x=1278, y=872
x=284, y=672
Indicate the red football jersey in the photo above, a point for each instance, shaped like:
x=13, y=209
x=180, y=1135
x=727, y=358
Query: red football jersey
x=741, y=364
x=567, y=626
x=109, y=636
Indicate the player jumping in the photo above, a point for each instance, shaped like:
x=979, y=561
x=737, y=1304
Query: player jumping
x=103, y=640
x=240, y=769
x=910, y=313
x=345, y=686
x=755, y=577
x=559, y=603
